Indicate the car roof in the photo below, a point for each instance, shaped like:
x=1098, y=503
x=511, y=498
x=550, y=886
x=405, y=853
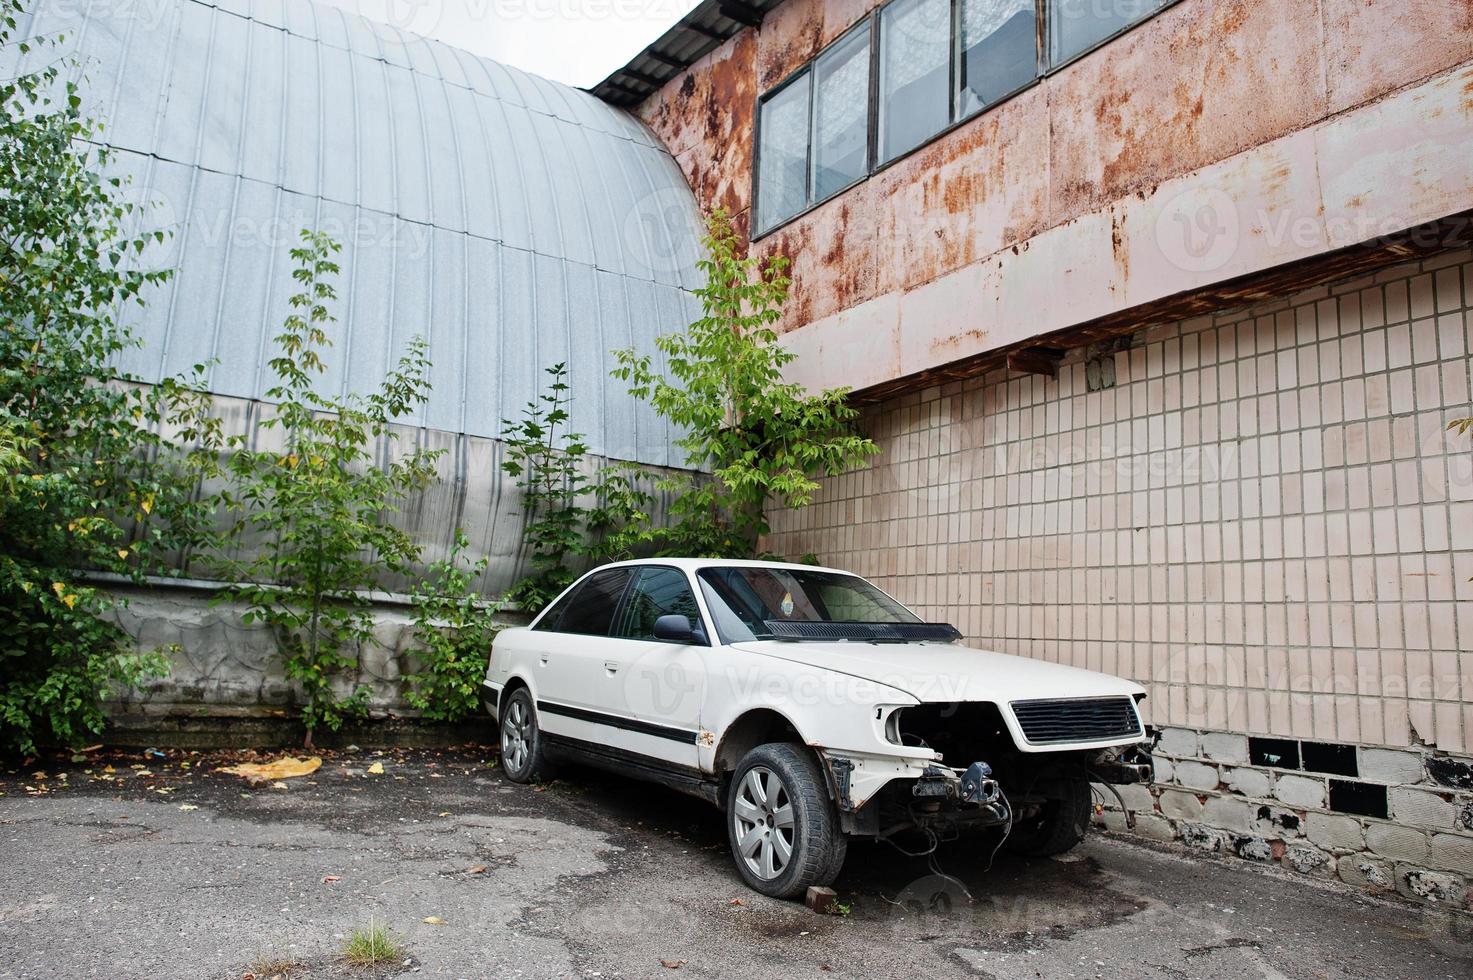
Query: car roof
x=695, y=564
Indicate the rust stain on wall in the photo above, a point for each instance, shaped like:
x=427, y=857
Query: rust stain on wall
x=955, y=342
x=1200, y=82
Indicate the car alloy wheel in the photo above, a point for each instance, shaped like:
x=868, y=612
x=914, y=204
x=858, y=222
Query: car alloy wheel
x=516, y=737
x=764, y=824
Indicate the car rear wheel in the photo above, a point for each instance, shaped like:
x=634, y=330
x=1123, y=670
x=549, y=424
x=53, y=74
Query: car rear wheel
x=783, y=830
x=521, y=741
x=1058, y=827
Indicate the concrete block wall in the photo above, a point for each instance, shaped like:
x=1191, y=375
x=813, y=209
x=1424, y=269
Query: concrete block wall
x=1260, y=516
x=221, y=668
x=1214, y=793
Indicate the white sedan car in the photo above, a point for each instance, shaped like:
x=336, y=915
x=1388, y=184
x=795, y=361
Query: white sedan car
x=811, y=707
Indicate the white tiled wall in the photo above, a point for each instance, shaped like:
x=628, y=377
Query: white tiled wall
x=1264, y=520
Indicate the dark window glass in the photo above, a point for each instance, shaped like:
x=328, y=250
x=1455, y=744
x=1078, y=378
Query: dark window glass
x=782, y=154
x=742, y=599
x=590, y=610
x=1077, y=25
x=657, y=592
x=841, y=115
x=915, y=73
x=999, y=50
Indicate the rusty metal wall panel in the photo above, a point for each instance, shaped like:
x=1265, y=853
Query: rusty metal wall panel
x=1200, y=83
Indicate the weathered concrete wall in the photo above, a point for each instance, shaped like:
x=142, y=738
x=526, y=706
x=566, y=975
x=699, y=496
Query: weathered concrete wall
x=1258, y=515
x=225, y=669
x=1304, y=127
x=222, y=668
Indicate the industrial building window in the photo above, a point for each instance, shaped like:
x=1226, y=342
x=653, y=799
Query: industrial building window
x=782, y=153
x=999, y=51
x=841, y=115
x=915, y=73
x=1075, y=26
x=906, y=72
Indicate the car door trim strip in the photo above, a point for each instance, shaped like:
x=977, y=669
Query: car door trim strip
x=615, y=721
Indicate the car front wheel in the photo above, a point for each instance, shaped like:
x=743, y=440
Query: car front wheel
x=784, y=833
x=1058, y=827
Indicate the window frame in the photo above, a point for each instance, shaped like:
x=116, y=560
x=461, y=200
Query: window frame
x=622, y=608
x=870, y=132
x=567, y=599
x=1044, y=69
x=1040, y=62
x=808, y=69
x=951, y=76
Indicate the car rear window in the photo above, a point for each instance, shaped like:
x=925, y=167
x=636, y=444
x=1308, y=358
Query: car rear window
x=590, y=608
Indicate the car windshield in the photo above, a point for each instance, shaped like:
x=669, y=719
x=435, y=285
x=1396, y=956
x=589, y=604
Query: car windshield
x=755, y=603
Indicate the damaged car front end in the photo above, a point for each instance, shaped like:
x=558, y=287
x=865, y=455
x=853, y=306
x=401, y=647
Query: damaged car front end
x=1025, y=768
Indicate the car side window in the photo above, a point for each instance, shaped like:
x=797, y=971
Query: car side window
x=657, y=592
x=590, y=609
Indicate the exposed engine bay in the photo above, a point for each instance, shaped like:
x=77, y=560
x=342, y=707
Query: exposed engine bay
x=981, y=779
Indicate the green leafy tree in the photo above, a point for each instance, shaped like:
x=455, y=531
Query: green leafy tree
x=546, y=457
x=313, y=515
x=568, y=516
x=454, y=628
x=760, y=437
x=89, y=484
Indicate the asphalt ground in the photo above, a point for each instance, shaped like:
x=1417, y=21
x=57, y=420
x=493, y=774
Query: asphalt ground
x=130, y=864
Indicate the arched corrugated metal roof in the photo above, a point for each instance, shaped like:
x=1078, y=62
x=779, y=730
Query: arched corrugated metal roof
x=513, y=221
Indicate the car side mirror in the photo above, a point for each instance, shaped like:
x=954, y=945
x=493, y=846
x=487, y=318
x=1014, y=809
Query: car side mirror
x=676, y=628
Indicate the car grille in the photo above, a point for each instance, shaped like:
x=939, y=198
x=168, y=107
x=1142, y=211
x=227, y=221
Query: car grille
x=1046, y=722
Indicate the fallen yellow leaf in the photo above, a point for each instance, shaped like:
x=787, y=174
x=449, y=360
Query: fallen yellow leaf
x=433, y=920
x=284, y=768
x=377, y=768
x=186, y=807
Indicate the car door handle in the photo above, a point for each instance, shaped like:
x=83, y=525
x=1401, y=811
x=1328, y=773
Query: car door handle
x=544, y=660
x=611, y=666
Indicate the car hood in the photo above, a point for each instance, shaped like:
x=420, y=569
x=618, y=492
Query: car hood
x=932, y=672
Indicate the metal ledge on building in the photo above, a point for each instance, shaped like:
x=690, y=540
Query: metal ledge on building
x=1041, y=354
x=711, y=24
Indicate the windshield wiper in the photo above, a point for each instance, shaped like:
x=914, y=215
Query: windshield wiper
x=870, y=632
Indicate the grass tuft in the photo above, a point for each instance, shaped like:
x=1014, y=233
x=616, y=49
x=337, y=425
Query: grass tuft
x=372, y=945
x=276, y=968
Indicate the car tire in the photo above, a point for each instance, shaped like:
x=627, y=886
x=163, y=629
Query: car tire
x=522, y=757
x=1060, y=826
x=784, y=833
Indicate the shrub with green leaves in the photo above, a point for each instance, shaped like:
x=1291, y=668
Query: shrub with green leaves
x=568, y=517
x=759, y=436
x=453, y=627
x=546, y=458
x=313, y=515
x=89, y=484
